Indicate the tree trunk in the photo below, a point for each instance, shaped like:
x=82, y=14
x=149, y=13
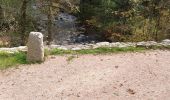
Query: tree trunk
x=157, y=27
x=23, y=21
x=49, y=25
x=1, y=16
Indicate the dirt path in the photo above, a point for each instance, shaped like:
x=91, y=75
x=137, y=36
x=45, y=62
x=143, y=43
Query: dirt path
x=127, y=76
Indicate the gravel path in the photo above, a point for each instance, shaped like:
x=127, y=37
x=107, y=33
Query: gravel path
x=127, y=76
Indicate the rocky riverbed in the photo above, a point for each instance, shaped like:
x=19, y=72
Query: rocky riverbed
x=95, y=45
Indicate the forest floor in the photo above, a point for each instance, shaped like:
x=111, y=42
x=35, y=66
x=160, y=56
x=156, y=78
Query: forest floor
x=122, y=76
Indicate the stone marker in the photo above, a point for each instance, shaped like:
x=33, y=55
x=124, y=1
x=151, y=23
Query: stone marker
x=35, y=46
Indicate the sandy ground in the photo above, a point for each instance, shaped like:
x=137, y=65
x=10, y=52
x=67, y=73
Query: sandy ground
x=127, y=76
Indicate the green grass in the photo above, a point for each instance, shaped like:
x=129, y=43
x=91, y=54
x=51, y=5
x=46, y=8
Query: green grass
x=11, y=59
x=8, y=60
x=102, y=50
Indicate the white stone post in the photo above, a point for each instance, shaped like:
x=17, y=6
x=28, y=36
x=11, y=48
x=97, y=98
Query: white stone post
x=35, y=46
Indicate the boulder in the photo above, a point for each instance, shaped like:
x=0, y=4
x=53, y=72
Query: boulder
x=166, y=42
x=54, y=46
x=76, y=48
x=147, y=44
x=35, y=46
x=63, y=48
x=103, y=44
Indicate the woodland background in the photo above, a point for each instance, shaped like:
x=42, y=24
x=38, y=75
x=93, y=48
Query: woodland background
x=108, y=20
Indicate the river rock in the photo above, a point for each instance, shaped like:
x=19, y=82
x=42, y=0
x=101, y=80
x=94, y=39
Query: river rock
x=102, y=44
x=62, y=48
x=147, y=44
x=166, y=42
